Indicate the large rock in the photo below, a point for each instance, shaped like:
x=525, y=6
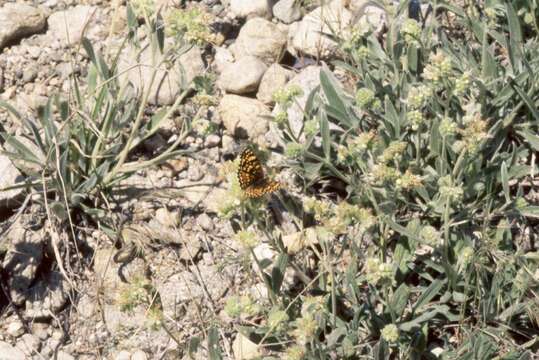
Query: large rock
x=308, y=35
x=287, y=11
x=308, y=79
x=251, y=8
x=243, y=117
x=274, y=78
x=24, y=255
x=260, y=38
x=18, y=21
x=168, y=82
x=8, y=352
x=47, y=297
x=68, y=26
x=9, y=176
x=251, y=69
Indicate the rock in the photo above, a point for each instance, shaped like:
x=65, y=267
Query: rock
x=29, y=344
x=166, y=218
x=244, y=349
x=212, y=140
x=29, y=75
x=68, y=26
x=195, y=171
x=307, y=36
x=123, y=355
x=251, y=69
x=243, y=117
x=167, y=82
x=308, y=79
x=287, y=11
x=274, y=78
x=62, y=355
x=205, y=222
x=262, y=39
x=47, y=297
x=15, y=328
x=10, y=176
x=24, y=255
x=18, y=21
x=222, y=58
x=40, y=330
x=251, y=8
x=139, y=355
x=185, y=286
x=9, y=352
x=368, y=15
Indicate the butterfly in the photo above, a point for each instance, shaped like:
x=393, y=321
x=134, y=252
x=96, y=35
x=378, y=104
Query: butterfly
x=251, y=176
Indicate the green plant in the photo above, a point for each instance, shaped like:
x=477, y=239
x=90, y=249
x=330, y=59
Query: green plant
x=81, y=146
x=433, y=156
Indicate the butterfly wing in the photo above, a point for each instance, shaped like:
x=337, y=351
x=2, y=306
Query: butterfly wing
x=250, y=171
x=257, y=190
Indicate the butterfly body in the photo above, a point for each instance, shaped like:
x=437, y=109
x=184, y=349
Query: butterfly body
x=251, y=176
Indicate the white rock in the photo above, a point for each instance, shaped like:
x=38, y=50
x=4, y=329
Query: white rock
x=243, y=117
x=139, y=355
x=250, y=8
x=244, y=349
x=18, y=21
x=308, y=79
x=9, y=176
x=274, y=79
x=29, y=344
x=368, y=15
x=260, y=38
x=9, y=352
x=68, y=26
x=123, y=355
x=15, y=328
x=243, y=76
x=308, y=37
x=287, y=11
x=223, y=57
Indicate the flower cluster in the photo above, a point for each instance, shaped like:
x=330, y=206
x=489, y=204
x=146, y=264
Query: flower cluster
x=418, y=96
x=393, y=152
x=430, y=236
x=390, y=333
x=366, y=100
x=193, y=24
x=416, y=119
x=246, y=239
x=242, y=306
x=411, y=31
x=462, y=83
x=377, y=272
x=447, y=127
x=285, y=96
x=438, y=68
x=450, y=191
x=408, y=181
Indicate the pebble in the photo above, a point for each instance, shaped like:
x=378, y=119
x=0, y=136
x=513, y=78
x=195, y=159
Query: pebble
x=212, y=140
x=139, y=355
x=15, y=328
x=205, y=222
x=123, y=355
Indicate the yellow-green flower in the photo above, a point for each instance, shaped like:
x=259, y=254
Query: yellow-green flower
x=416, y=118
x=418, y=96
x=305, y=330
x=411, y=31
x=293, y=150
x=447, y=127
x=390, y=333
x=377, y=272
x=450, y=191
x=393, y=152
x=429, y=235
x=408, y=181
x=462, y=83
x=277, y=320
x=296, y=352
x=246, y=238
x=193, y=24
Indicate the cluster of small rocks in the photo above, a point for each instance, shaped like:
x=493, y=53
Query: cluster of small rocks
x=39, y=51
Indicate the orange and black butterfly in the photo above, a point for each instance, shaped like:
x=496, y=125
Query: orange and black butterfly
x=251, y=176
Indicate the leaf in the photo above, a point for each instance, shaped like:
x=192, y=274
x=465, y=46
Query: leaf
x=399, y=299
x=214, y=350
x=505, y=182
x=531, y=139
x=428, y=294
x=324, y=131
x=331, y=88
x=193, y=345
x=277, y=273
x=529, y=103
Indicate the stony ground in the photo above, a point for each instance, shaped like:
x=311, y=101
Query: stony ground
x=195, y=264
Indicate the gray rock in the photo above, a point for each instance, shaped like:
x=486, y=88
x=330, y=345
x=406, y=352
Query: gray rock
x=168, y=82
x=62, y=355
x=251, y=69
x=9, y=176
x=139, y=355
x=308, y=79
x=251, y=8
x=18, y=21
x=9, y=352
x=29, y=344
x=123, y=355
x=30, y=74
x=262, y=39
x=223, y=57
x=244, y=117
x=274, y=79
x=195, y=171
x=212, y=140
x=47, y=297
x=307, y=36
x=67, y=26
x=15, y=328
x=287, y=11
x=205, y=222
x=24, y=255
